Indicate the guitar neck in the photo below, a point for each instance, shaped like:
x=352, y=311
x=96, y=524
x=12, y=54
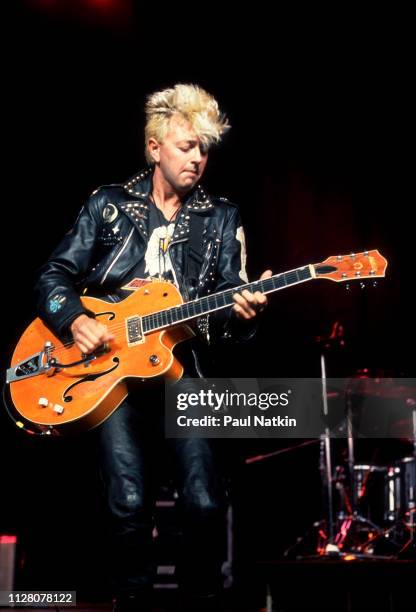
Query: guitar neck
x=223, y=299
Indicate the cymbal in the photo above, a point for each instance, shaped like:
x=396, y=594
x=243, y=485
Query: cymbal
x=402, y=429
x=384, y=388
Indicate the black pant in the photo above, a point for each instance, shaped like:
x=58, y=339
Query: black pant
x=130, y=441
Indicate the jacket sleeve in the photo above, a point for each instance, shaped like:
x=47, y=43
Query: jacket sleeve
x=59, y=279
x=231, y=272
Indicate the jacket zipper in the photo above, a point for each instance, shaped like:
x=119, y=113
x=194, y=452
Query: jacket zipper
x=117, y=256
x=172, y=260
x=205, y=268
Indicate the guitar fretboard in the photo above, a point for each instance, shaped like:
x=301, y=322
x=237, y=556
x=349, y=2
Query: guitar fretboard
x=223, y=299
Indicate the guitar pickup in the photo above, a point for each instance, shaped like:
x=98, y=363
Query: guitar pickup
x=134, y=331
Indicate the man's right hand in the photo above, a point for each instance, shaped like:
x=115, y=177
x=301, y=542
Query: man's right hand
x=88, y=334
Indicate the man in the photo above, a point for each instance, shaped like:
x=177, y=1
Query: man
x=160, y=224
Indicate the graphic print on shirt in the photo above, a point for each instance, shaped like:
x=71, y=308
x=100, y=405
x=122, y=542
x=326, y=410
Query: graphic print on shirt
x=240, y=236
x=155, y=262
x=157, y=258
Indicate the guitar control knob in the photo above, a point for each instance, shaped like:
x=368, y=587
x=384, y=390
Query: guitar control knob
x=154, y=359
x=58, y=409
x=42, y=401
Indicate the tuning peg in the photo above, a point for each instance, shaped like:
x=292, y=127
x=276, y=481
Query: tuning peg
x=347, y=287
x=362, y=285
x=375, y=284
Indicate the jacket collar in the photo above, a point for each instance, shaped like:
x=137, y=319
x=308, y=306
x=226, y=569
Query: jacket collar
x=140, y=185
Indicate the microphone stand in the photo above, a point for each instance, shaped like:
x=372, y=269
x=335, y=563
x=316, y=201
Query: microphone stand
x=326, y=466
x=331, y=549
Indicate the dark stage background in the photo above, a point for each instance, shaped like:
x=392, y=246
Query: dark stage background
x=317, y=160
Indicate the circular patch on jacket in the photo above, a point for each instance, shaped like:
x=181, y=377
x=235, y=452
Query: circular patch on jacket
x=56, y=303
x=110, y=213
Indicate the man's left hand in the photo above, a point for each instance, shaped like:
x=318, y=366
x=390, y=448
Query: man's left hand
x=248, y=304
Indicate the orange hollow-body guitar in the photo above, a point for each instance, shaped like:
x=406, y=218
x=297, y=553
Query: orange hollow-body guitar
x=56, y=389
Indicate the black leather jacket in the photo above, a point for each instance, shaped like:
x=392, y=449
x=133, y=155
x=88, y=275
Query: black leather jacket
x=110, y=237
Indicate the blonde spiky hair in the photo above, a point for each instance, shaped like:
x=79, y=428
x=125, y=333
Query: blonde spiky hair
x=189, y=102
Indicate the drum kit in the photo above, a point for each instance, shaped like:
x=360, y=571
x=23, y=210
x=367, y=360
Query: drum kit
x=371, y=509
x=369, y=506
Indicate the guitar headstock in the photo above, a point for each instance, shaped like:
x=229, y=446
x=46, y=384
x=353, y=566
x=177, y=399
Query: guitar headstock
x=356, y=266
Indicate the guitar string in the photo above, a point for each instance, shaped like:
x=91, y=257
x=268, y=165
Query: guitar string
x=116, y=328
x=266, y=285
x=228, y=292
